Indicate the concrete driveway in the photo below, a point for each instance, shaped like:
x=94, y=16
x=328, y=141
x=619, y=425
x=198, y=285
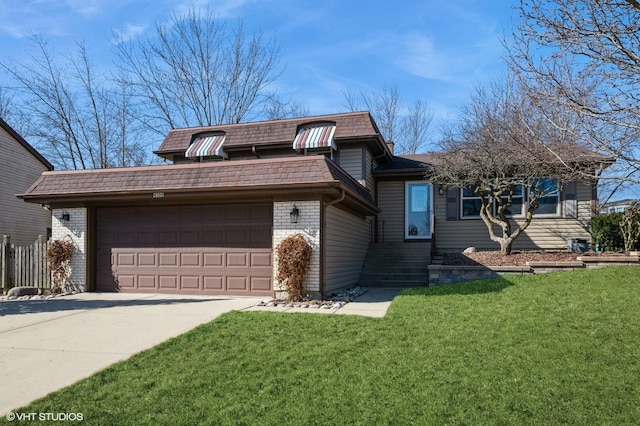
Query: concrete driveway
x=48, y=344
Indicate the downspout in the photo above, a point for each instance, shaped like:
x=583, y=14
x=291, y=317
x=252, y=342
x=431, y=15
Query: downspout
x=323, y=223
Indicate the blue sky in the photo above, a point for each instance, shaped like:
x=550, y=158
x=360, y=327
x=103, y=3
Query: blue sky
x=430, y=49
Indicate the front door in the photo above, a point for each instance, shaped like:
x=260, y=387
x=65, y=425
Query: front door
x=418, y=210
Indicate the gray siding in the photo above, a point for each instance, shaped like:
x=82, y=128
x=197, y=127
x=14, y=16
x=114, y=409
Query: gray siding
x=370, y=182
x=346, y=244
x=391, y=217
x=351, y=162
x=542, y=234
x=19, y=169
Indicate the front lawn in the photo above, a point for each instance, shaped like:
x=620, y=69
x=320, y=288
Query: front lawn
x=546, y=349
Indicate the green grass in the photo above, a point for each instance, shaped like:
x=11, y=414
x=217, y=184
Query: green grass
x=559, y=348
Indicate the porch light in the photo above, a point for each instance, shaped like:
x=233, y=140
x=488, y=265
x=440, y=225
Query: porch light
x=65, y=217
x=294, y=214
x=441, y=190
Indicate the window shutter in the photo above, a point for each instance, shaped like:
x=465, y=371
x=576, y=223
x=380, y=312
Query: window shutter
x=453, y=204
x=570, y=200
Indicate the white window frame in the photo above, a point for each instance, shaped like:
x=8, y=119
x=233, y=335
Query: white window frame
x=428, y=210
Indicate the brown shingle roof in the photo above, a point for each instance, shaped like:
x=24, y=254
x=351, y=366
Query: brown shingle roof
x=208, y=176
x=348, y=125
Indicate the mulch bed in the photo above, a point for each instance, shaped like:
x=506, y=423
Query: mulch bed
x=516, y=258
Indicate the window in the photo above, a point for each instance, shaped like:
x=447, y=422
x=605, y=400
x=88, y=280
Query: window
x=517, y=202
x=550, y=202
x=418, y=210
x=471, y=203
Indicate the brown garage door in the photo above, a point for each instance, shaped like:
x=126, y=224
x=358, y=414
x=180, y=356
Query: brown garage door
x=212, y=249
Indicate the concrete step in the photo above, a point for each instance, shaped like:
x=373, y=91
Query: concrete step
x=396, y=265
x=395, y=283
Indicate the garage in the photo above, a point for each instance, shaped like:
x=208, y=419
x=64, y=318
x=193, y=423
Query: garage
x=190, y=249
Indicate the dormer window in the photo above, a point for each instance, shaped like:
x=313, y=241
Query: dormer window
x=208, y=145
x=317, y=136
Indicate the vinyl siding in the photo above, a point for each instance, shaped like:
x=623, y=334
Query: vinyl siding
x=346, y=244
x=370, y=182
x=391, y=217
x=19, y=169
x=542, y=234
x=351, y=162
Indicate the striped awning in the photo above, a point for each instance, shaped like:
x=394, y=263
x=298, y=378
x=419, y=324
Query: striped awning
x=207, y=146
x=316, y=136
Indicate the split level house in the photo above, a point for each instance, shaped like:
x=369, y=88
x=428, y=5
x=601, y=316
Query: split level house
x=208, y=222
x=20, y=166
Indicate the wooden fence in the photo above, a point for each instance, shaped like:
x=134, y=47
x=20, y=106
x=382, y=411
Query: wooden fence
x=24, y=265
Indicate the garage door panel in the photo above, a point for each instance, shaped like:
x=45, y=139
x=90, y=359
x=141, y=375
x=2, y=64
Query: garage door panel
x=190, y=238
x=168, y=259
x=126, y=281
x=214, y=259
x=147, y=282
x=168, y=282
x=126, y=238
x=147, y=259
x=260, y=284
x=237, y=237
x=192, y=249
x=167, y=238
x=146, y=238
x=125, y=259
x=189, y=259
x=237, y=284
x=260, y=259
x=190, y=282
x=237, y=260
x=213, y=283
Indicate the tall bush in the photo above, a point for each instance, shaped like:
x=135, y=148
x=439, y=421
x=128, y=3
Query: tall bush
x=606, y=231
x=59, y=258
x=294, y=258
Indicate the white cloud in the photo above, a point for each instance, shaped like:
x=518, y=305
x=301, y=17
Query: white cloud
x=86, y=7
x=129, y=31
x=221, y=8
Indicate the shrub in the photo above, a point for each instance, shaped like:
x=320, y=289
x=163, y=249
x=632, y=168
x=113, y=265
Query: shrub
x=59, y=256
x=606, y=231
x=630, y=227
x=294, y=257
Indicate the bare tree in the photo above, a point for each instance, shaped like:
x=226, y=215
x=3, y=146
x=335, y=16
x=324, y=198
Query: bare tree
x=194, y=72
x=277, y=108
x=583, y=57
x=70, y=109
x=415, y=128
x=407, y=127
x=510, y=159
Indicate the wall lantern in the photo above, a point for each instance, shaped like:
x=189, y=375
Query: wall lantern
x=294, y=214
x=441, y=190
x=65, y=217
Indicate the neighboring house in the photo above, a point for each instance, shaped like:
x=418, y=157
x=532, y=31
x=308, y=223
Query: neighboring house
x=618, y=206
x=209, y=222
x=20, y=166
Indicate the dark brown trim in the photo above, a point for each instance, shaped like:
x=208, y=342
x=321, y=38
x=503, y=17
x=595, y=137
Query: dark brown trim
x=91, y=249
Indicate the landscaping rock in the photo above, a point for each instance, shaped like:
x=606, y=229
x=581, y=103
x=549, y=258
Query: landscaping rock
x=23, y=291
